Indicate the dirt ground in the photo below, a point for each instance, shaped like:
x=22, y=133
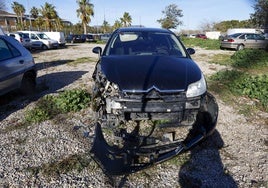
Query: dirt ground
x=234, y=156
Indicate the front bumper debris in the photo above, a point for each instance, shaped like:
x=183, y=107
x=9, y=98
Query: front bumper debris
x=128, y=159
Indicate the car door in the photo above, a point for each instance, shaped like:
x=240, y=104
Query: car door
x=251, y=42
x=260, y=41
x=11, y=67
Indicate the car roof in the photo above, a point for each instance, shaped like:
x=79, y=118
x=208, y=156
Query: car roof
x=15, y=43
x=129, y=29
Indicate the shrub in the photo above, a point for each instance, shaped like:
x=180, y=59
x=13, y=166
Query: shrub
x=240, y=83
x=49, y=106
x=72, y=100
x=45, y=109
x=250, y=58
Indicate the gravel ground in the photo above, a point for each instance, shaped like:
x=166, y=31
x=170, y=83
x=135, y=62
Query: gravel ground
x=55, y=153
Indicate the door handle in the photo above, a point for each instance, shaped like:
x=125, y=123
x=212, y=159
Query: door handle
x=21, y=61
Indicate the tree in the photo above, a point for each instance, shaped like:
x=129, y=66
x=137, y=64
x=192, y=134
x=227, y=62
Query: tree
x=105, y=27
x=49, y=14
x=38, y=22
x=117, y=24
x=84, y=12
x=126, y=20
x=34, y=12
x=19, y=11
x=171, y=17
x=58, y=24
x=225, y=25
x=260, y=17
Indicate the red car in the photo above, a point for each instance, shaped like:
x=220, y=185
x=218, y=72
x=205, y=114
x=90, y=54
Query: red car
x=202, y=36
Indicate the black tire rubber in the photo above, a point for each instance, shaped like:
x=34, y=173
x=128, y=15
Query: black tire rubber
x=28, y=84
x=44, y=47
x=240, y=47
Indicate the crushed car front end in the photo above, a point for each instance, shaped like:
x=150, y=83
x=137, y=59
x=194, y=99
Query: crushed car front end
x=150, y=107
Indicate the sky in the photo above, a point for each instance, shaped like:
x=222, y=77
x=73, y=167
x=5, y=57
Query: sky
x=147, y=12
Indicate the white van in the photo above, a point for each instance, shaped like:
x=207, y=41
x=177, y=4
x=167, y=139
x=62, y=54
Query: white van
x=58, y=36
x=42, y=37
x=241, y=30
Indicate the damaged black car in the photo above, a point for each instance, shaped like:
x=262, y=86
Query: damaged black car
x=150, y=98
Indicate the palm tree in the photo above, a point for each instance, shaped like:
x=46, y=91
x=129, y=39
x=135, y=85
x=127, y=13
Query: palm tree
x=84, y=12
x=34, y=12
x=117, y=24
x=126, y=19
x=19, y=11
x=58, y=24
x=38, y=22
x=49, y=14
x=105, y=26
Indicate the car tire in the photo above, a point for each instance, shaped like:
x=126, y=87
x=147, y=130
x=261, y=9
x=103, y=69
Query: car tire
x=44, y=47
x=28, y=84
x=240, y=47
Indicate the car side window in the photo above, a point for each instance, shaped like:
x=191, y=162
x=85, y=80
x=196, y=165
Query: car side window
x=7, y=51
x=259, y=37
x=242, y=37
x=250, y=36
x=14, y=51
x=34, y=37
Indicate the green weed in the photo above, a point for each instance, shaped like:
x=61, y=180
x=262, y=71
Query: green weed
x=50, y=105
x=250, y=58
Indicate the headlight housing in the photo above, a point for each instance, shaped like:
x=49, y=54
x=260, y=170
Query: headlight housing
x=197, y=88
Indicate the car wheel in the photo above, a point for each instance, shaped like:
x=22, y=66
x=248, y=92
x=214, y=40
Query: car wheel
x=44, y=47
x=240, y=47
x=28, y=84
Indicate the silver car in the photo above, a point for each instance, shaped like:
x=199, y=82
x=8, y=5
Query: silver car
x=239, y=41
x=17, y=67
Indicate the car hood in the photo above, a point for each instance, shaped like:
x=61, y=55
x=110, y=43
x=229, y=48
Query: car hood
x=142, y=73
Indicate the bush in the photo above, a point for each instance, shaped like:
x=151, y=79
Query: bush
x=250, y=58
x=49, y=106
x=240, y=83
x=72, y=100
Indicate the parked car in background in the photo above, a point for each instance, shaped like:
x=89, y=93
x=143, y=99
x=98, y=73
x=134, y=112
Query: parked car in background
x=17, y=67
x=58, y=36
x=36, y=36
x=239, y=41
x=202, y=36
x=22, y=38
x=146, y=91
x=105, y=37
x=88, y=38
x=75, y=39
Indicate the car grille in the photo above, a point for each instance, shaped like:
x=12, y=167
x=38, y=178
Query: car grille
x=153, y=94
x=154, y=101
x=153, y=106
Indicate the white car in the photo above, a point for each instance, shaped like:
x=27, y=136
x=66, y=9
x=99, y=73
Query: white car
x=42, y=37
x=22, y=38
x=17, y=67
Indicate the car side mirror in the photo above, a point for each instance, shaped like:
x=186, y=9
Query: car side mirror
x=191, y=51
x=97, y=50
